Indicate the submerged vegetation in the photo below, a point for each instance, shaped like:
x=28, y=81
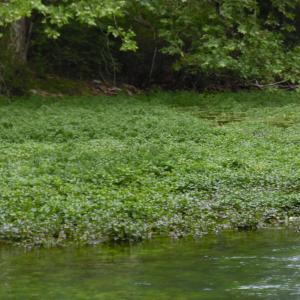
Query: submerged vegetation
x=93, y=169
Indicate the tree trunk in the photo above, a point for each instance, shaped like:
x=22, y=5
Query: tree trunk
x=20, y=34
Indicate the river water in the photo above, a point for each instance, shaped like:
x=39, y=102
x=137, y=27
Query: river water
x=245, y=265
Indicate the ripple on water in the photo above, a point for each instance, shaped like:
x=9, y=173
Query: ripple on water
x=259, y=265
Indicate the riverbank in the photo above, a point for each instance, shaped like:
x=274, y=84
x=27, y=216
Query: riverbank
x=92, y=169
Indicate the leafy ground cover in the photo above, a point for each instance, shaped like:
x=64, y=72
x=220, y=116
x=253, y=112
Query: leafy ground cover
x=92, y=169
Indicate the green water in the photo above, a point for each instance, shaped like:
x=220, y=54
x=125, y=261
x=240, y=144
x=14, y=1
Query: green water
x=261, y=265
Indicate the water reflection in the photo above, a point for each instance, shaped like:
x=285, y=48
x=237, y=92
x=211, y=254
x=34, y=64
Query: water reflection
x=256, y=265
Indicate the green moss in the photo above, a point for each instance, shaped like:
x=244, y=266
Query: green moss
x=58, y=85
x=87, y=169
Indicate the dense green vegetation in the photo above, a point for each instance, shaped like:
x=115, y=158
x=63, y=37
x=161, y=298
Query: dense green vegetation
x=201, y=44
x=126, y=168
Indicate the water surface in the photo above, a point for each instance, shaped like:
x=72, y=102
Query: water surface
x=248, y=265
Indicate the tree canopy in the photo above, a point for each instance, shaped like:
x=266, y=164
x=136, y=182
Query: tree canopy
x=246, y=41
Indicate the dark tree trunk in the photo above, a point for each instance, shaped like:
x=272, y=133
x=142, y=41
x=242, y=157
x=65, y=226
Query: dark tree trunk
x=20, y=34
